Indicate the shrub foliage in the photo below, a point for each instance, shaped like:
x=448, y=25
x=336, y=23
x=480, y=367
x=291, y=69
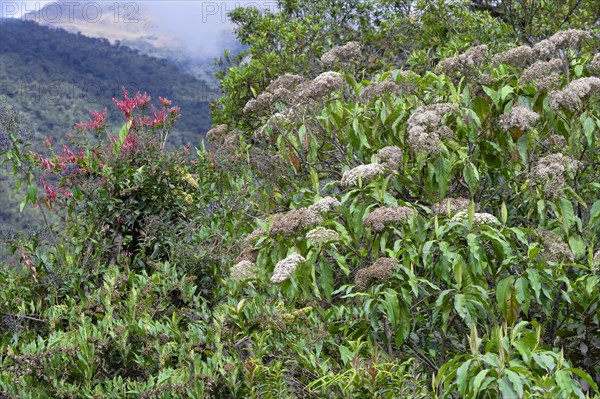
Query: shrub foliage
x=351, y=232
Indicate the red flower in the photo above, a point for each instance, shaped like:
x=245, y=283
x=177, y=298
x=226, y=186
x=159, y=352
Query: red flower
x=98, y=120
x=48, y=165
x=164, y=101
x=50, y=192
x=129, y=104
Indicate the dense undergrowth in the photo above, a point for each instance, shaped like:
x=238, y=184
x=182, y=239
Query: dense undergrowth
x=418, y=235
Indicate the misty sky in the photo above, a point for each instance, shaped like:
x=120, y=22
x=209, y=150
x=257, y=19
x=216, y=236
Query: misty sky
x=202, y=26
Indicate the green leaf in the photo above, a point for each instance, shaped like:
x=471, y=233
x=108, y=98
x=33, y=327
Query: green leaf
x=471, y=175
x=517, y=382
x=506, y=389
x=585, y=376
x=403, y=328
x=567, y=214
x=346, y=354
x=505, y=91
x=32, y=193
x=326, y=279
x=478, y=380
x=461, y=377
x=504, y=213
x=523, y=293
x=493, y=95
x=503, y=290
x=577, y=246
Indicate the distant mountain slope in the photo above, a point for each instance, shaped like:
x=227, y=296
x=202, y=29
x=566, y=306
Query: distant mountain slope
x=56, y=78
x=128, y=24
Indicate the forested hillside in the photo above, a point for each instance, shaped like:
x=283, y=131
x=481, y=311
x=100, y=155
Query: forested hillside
x=400, y=200
x=56, y=78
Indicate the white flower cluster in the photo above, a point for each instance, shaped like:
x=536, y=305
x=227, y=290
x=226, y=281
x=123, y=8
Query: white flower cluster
x=391, y=156
x=552, y=169
x=281, y=89
x=342, y=54
x=321, y=235
x=284, y=268
x=380, y=217
x=555, y=249
x=425, y=129
x=519, y=117
x=571, y=95
x=452, y=205
x=244, y=270
x=543, y=73
x=363, y=173
x=325, y=204
x=516, y=57
x=570, y=38
x=323, y=85
x=479, y=219
x=379, y=89
x=464, y=63
x=217, y=134
x=283, y=85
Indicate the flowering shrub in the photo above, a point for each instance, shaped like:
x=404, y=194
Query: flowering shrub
x=434, y=237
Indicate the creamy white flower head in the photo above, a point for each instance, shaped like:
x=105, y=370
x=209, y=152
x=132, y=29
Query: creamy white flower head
x=391, y=156
x=325, y=204
x=244, y=270
x=571, y=95
x=284, y=268
x=318, y=88
x=321, y=235
x=478, y=218
x=515, y=57
x=342, y=54
x=519, y=117
x=464, y=63
x=425, y=129
x=362, y=172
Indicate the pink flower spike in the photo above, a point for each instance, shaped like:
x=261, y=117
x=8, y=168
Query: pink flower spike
x=165, y=102
x=99, y=120
x=45, y=163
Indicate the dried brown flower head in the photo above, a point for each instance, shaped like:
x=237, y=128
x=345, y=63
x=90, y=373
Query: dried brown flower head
x=555, y=249
x=520, y=118
x=243, y=270
x=379, y=89
x=571, y=95
x=349, y=53
x=552, y=170
x=425, y=129
x=391, y=157
x=464, y=63
x=453, y=205
x=325, y=204
x=543, y=73
x=293, y=222
x=217, y=134
x=379, y=271
x=516, y=57
x=384, y=215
